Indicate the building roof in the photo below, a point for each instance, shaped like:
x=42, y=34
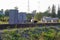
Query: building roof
x=49, y=18
x=55, y=18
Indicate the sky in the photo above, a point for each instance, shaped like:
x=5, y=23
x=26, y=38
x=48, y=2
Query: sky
x=39, y=5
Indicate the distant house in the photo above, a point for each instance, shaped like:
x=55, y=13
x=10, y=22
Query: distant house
x=22, y=17
x=55, y=20
x=49, y=20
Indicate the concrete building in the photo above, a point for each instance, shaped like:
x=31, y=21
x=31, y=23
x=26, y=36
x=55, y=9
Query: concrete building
x=22, y=18
x=13, y=16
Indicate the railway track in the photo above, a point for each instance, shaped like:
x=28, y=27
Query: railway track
x=5, y=26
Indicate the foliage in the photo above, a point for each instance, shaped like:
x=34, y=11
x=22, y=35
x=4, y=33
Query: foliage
x=35, y=33
x=7, y=12
x=53, y=11
x=4, y=19
x=58, y=15
x=38, y=16
x=29, y=16
x=46, y=13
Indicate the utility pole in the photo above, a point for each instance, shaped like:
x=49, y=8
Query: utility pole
x=39, y=6
x=28, y=7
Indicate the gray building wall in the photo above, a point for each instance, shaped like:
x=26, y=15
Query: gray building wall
x=13, y=16
x=22, y=17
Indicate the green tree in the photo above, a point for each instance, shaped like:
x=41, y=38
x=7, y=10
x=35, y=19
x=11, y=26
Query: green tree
x=47, y=12
x=53, y=11
x=58, y=15
x=29, y=16
x=1, y=15
x=7, y=12
x=38, y=16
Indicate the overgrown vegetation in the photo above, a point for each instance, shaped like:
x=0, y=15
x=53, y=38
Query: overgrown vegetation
x=35, y=33
x=4, y=19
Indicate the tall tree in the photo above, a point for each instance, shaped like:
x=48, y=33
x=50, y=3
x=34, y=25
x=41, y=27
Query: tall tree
x=58, y=15
x=47, y=12
x=53, y=11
